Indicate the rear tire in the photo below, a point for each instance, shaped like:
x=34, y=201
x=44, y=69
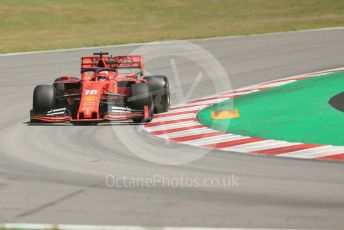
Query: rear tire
x=44, y=98
x=159, y=87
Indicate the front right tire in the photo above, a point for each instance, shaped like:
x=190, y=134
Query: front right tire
x=140, y=97
x=160, y=89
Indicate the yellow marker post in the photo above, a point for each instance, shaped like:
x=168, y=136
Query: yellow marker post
x=224, y=114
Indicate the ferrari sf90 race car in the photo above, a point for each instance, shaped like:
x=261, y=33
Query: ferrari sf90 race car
x=109, y=89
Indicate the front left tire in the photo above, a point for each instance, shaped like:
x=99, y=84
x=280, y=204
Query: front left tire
x=44, y=98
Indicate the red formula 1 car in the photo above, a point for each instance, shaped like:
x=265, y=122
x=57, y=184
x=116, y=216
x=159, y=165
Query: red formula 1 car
x=110, y=88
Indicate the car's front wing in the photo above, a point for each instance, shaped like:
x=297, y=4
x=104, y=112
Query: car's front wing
x=58, y=115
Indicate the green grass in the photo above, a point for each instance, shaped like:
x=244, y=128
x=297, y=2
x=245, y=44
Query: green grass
x=296, y=112
x=28, y=25
x=1, y=228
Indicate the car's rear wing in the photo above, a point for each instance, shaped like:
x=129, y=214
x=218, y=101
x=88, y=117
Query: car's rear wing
x=103, y=60
x=133, y=61
x=92, y=62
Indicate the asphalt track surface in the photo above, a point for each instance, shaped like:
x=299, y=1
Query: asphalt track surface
x=56, y=174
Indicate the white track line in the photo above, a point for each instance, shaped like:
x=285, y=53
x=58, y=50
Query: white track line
x=276, y=84
x=173, y=118
x=314, y=152
x=210, y=101
x=335, y=150
x=233, y=93
x=171, y=126
x=184, y=106
x=191, y=108
x=215, y=139
x=260, y=145
x=203, y=130
x=23, y=226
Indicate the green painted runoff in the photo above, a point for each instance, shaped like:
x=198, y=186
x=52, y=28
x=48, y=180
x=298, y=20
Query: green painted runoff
x=296, y=112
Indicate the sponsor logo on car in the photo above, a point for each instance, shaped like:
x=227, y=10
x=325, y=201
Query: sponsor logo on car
x=55, y=112
x=90, y=98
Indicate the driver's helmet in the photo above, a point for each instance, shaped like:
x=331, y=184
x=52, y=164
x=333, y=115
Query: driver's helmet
x=103, y=75
x=88, y=76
